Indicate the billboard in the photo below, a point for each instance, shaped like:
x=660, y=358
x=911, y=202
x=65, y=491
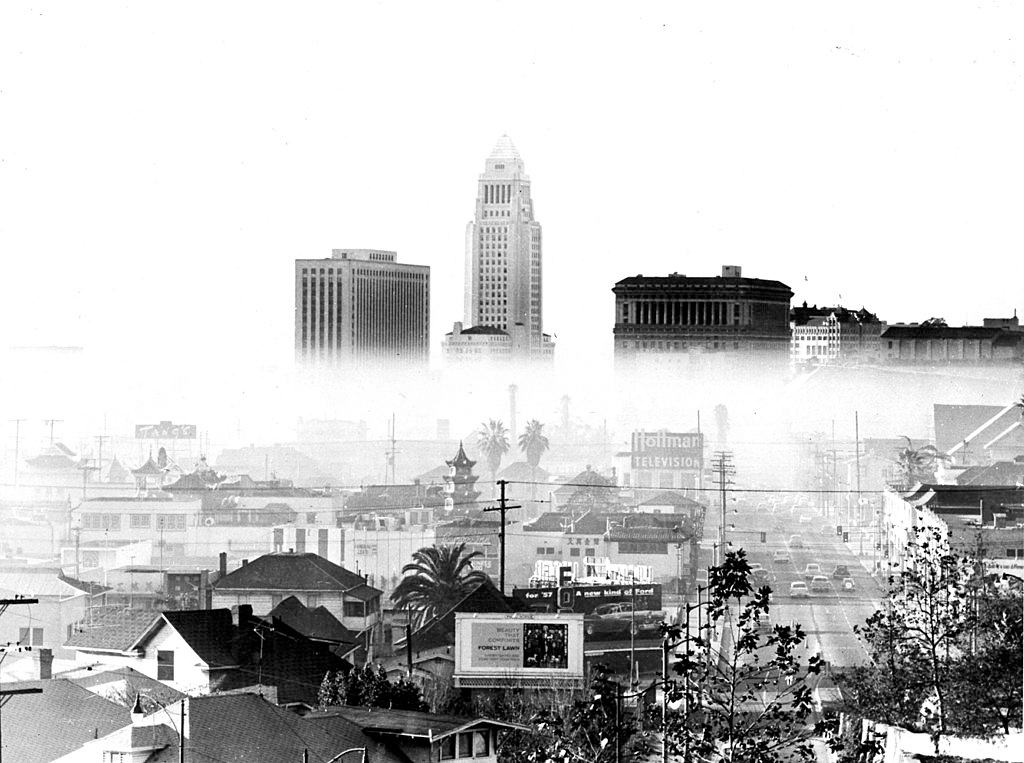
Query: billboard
x=165, y=430
x=667, y=451
x=585, y=599
x=517, y=649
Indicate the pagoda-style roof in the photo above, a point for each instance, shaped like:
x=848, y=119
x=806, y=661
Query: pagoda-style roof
x=461, y=460
x=148, y=468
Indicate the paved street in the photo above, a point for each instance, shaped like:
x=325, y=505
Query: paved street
x=828, y=618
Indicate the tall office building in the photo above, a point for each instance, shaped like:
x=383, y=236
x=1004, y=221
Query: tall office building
x=361, y=305
x=503, y=256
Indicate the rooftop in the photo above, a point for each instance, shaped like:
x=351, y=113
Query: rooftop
x=292, y=572
x=58, y=720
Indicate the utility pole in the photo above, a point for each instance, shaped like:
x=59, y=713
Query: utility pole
x=17, y=445
x=99, y=441
x=391, y=453
x=722, y=464
x=835, y=481
x=181, y=731
x=85, y=476
x=502, y=506
x=856, y=437
x=700, y=469
x=6, y=693
x=51, y=422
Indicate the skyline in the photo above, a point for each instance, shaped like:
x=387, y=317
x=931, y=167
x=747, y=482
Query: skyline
x=862, y=163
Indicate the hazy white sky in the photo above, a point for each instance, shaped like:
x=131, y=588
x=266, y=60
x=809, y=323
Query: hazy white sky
x=162, y=165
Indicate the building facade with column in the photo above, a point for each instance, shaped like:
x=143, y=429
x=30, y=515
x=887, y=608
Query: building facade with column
x=361, y=306
x=503, y=256
x=681, y=315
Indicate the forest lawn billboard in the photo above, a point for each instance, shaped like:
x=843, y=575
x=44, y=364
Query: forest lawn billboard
x=511, y=649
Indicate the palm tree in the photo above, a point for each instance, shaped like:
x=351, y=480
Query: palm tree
x=441, y=577
x=492, y=439
x=533, y=443
x=917, y=465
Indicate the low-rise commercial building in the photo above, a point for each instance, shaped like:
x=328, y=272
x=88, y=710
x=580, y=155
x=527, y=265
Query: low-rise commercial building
x=929, y=343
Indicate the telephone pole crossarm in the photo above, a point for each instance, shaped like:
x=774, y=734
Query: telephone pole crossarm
x=502, y=506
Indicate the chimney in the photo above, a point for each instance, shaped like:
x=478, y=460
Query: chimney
x=223, y=568
x=44, y=657
x=244, y=615
x=245, y=562
x=137, y=712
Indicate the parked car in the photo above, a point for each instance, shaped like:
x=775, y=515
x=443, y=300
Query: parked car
x=811, y=570
x=848, y=584
x=615, y=618
x=760, y=576
x=841, y=571
x=780, y=556
x=820, y=583
x=755, y=566
x=798, y=590
x=796, y=541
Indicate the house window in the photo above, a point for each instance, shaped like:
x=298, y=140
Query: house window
x=311, y=517
x=30, y=636
x=321, y=543
x=300, y=541
x=448, y=748
x=138, y=521
x=278, y=539
x=164, y=665
x=466, y=745
x=590, y=552
x=481, y=744
x=574, y=552
x=354, y=609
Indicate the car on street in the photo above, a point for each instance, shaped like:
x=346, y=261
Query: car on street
x=841, y=571
x=798, y=590
x=796, y=541
x=780, y=556
x=755, y=566
x=820, y=583
x=760, y=576
x=848, y=584
x=811, y=570
x=614, y=619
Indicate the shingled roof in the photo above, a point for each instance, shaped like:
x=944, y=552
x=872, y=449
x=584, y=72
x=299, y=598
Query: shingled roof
x=237, y=728
x=58, y=720
x=317, y=623
x=113, y=631
x=289, y=571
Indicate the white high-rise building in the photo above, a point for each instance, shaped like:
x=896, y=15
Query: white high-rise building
x=503, y=256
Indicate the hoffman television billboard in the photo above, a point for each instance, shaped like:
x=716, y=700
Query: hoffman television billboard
x=667, y=451
x=507, y=650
